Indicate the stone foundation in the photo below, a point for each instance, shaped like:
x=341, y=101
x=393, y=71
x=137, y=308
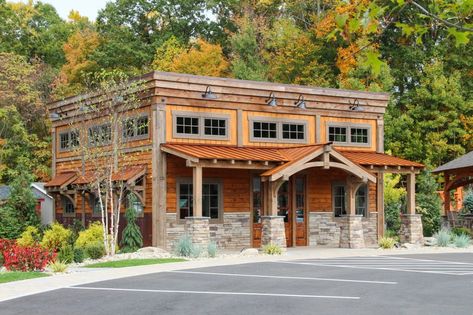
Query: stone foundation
x=323, y=230
x=233, y=233
x=198, y=230
x=351, y=232
x=411, y=229
x=273, y=231
x=370, y=229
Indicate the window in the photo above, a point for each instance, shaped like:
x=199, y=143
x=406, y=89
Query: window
x=361, y=200
x=293, y=131
x=264, y=130
x=215, y=127
x=95, y=205
x=68, y=140
x=100, y=135
x=211, y=200
x=68, y=206
x=300, y=199
x=136, y=128
x=257, y=199
x=200, y=125
x=349, y=134
x=134, y=203
x=267, y=129
x=187, y=125
x=339, y=200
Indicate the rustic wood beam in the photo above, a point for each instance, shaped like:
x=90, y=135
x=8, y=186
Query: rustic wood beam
x=411, y=193
x=197, y=190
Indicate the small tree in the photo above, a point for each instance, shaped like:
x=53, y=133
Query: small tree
x=428, y=203
x=468, y=202
x=132, y=240
x=394, y=197
x=103, y=118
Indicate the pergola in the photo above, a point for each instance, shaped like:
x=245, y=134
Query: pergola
x=457, y=173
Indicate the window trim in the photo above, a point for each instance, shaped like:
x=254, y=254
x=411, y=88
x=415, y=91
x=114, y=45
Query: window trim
x=135, y=119
x=279, y=130
x=367, y=194
x=89, y=140
x=201, y=116
x=338, y=184
x=188, y=180
x=69, y=132
x=349, y=126
x=64, y=199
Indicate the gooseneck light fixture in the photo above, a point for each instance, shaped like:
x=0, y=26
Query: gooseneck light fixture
x=208, y=94
x=355, y=105
x=271, y=101
x=300, y=103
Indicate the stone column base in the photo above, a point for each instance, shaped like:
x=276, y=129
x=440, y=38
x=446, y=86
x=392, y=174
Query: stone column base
x=198, y=229
x=351, y=232
x=411, y=229
x=273, y=231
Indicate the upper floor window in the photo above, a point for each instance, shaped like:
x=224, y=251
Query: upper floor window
x=277, y=130
x=136, y=128
x=68, y=140
x=361, y=200
x=200, y=125
x=349, y=134
x=100, y=135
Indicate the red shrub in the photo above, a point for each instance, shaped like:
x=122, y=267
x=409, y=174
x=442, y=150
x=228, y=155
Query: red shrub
x=6, y=244
x=32, y=258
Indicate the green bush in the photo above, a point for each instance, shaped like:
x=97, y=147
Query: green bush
x=132, y=240
x=66, y=254
x=76, y=227
x=92, y=235
x=387, y=242
x=58, y=266
x=29, y=237
x=462, y=230
x=212, y=249
x=94, y=250
x=79, y=255
x=272, y=249
x=184, y=246
x=2, y=260
x=56, y=237
x=461, y=240
x=196, y=250
x=468, y=202
x=443, y=237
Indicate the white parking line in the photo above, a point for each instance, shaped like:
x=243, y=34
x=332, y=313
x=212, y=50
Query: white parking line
x=221, y=293
x=282, y=277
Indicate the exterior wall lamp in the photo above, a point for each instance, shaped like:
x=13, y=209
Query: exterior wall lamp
x=355, y=106
x=208, y=94
x=271, y=101
x=300, y=103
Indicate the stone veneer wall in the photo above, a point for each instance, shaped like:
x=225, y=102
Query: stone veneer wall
x=411, y=229
x=324, y=229
x=233, y=233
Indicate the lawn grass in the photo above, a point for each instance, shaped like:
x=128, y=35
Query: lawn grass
x=134, y=262
x=18, y=275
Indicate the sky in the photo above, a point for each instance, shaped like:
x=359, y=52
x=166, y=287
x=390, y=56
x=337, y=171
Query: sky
x=87, y=8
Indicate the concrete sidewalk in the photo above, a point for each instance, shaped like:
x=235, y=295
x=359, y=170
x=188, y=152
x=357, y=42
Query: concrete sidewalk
x=17, y=289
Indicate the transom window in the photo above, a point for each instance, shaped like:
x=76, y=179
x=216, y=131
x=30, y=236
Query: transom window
x=200, y=125
x=69, y=140
x=136, y=128
x=349, y=134
x=215, y=127
x=100, y=135
x=293, y=131
x=264, y=130
x=361, y=200
x=277, y=130
x=211, y=200
x=339, y=200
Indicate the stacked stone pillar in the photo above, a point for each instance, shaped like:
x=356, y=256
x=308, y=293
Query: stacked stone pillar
x=411, y=229
x=198, y=229
x=351, y=232
x=273, y=231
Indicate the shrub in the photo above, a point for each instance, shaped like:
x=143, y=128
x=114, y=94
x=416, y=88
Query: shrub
x=57, y=266
x=132, y=240
x=462, y=230
x=461, y=240
x=2, y=260
x=443, y=237
x=184, y=246
x=29, y=237
x=56, y=237
x=387, y=242
x=79, y=255
x=212, y=249
x=95, y=250
x=272, y=249
x=468, y=202
x=196, y=250
x=90, y=236
x=66, y=254
x=31, y=258
x=6, y=244
x=76, y=227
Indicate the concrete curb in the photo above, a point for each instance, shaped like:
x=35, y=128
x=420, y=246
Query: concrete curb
x=17, y=289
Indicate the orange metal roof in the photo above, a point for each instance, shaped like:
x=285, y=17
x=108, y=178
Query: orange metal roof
x=60, y=179
x=219, y=152
x=378, y=159
x=128, y=173
x=85, y=179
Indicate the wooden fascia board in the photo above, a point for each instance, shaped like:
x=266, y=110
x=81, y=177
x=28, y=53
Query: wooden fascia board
x=180, y=154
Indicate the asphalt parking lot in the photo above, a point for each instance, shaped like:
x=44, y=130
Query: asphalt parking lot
x=408, y=284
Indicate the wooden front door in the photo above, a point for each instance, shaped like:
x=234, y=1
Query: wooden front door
x=299, y=193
